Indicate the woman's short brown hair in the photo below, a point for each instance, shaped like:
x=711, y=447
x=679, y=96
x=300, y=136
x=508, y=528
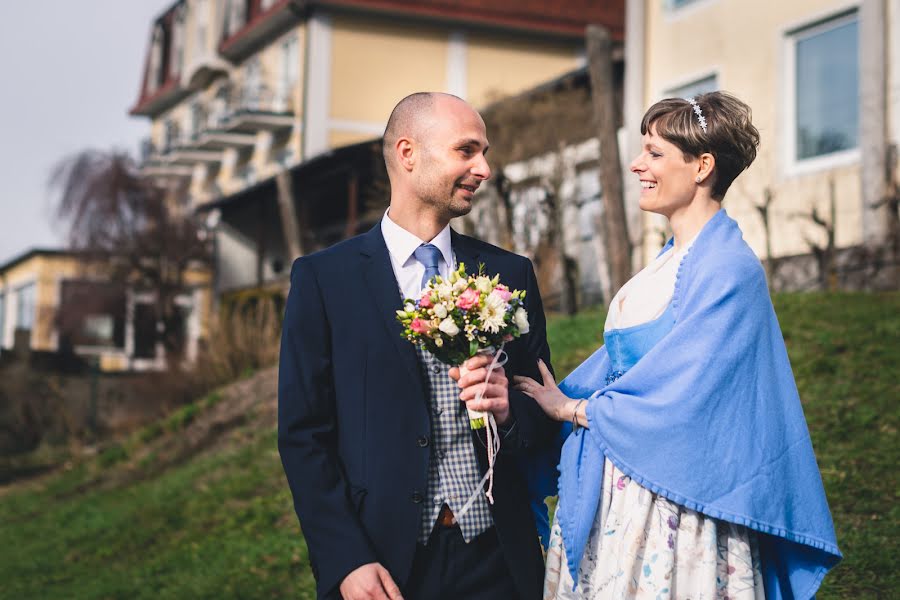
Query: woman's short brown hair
x=730, y=135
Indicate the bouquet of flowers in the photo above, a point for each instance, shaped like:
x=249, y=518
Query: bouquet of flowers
x=464, y=315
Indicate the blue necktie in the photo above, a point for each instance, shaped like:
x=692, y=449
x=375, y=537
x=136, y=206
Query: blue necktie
x=428, y=255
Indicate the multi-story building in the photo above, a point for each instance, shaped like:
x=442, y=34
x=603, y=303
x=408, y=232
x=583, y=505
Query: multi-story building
x=55, y=300
x=267, y=109
x=823, y=80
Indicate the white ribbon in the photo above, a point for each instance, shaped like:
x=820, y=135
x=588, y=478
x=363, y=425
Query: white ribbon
x=492, y=439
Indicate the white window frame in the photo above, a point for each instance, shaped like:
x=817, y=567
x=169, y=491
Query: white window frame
x=19, y=305
x=3, y=314
x=669, y=90
x=793, y=166
x=672, y=11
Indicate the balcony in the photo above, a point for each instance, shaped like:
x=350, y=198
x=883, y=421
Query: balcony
x=257, y=109
x=175, y=159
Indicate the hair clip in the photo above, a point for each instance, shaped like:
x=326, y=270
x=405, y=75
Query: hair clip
x=700, y=118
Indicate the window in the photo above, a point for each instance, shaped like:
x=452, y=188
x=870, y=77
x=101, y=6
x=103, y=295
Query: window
x=290, y=71
x=26, y=306
x=154, y=72
x=198, y=119
x=252, y=85
x=824, y=89
x=694, y=88
x=201, y=15
x=2, y=318
x=178, y=40
x=675, y=4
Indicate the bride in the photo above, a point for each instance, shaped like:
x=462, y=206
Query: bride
x=689, y=472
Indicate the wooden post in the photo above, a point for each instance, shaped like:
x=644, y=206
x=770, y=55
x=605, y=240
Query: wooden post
x=352, y=204
x=289, y=224
x=618, y=245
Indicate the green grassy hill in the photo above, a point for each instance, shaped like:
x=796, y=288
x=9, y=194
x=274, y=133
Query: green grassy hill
x=197, y=506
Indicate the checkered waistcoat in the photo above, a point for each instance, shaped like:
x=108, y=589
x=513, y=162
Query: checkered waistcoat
x=453, y=471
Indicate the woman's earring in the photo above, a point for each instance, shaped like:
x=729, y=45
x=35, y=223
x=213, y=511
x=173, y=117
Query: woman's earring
x=699, y=179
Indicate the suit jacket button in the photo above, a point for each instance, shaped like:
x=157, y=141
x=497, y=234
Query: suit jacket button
x=417, y=498
x=421, y=441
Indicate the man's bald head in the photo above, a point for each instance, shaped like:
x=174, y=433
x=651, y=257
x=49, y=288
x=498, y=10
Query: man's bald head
x=410, y=118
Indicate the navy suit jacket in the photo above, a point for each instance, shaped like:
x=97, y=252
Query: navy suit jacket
x=353, y=414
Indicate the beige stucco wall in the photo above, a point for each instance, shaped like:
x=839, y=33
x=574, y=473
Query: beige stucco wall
x=375, y=63
x=498, y=65
x=744, y=44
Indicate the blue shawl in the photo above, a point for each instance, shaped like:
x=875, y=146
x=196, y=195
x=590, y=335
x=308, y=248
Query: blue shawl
x=709, y=418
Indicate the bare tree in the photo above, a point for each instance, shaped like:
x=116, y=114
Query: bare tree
x=134, y=231
x=825, y=254
x=771, y=263
x=606, y=119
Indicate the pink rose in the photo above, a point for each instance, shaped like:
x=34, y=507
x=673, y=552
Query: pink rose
x=419, y=326
x=503, y=292
x=425, y=300
x=467, y=299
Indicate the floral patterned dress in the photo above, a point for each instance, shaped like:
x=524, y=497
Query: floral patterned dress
x=642, y=545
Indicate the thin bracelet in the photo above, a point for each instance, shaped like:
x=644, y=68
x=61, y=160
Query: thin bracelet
x=575, y=424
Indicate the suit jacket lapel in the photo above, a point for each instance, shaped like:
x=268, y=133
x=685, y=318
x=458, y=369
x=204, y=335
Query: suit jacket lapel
x=379, y=276
x=465, y=251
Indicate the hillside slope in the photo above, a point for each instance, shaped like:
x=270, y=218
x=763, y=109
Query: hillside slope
x=197, y=505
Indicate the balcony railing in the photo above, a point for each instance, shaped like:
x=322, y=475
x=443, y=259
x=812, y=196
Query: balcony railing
x=232, y=121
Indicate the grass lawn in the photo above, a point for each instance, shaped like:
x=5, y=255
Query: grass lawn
x=220, y=524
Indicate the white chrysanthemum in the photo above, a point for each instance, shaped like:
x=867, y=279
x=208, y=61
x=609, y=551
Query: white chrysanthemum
x=440, y=311
x=521, y=319
x=483, y=284
x=449, y=327
x=493, y=313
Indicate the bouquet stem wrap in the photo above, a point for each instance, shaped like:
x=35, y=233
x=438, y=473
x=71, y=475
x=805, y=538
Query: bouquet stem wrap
x=492, y=442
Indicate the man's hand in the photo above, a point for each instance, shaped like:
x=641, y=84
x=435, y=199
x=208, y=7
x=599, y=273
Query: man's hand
x=370, y=582
x=495, y=396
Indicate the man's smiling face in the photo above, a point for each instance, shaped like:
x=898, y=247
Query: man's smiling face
x=452, y=161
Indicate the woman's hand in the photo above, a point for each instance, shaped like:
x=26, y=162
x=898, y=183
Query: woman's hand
x=557, y=405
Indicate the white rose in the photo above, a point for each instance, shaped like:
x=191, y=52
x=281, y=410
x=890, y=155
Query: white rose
x=449, y=327
x=521, y=318
x=444, y=290
x=483, y=284
x=440, y=311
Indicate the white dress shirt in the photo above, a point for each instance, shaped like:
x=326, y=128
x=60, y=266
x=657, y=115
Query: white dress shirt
x=401, y=244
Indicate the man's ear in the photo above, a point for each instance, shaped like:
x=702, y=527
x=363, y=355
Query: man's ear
x=406, y=153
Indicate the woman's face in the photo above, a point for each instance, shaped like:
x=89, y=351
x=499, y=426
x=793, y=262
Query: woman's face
x=667, y=180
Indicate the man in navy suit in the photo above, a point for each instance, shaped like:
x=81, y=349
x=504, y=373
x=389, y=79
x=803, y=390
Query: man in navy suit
x=373, y=431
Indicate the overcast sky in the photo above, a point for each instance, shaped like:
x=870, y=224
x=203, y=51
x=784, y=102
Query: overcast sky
x=70, y=70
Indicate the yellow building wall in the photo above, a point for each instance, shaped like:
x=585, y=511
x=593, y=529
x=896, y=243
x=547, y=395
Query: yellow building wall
x=375, y=63
x=45, y=272
x=498, y=65
x=48, y=272
x=743, y=43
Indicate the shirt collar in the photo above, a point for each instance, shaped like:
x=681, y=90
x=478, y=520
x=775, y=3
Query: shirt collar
x=401, y=244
